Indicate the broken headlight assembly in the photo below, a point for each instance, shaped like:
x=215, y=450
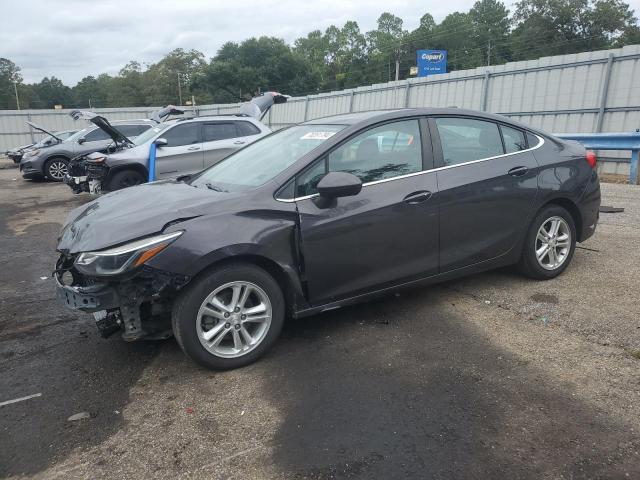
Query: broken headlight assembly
x=117, y=260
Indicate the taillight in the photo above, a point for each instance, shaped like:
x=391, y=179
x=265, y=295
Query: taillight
x=591, y=159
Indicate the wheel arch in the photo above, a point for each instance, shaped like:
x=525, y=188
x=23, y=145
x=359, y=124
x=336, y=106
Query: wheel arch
x=292, y=294
x=141, y=169
x=53, y=156
x=571, y=207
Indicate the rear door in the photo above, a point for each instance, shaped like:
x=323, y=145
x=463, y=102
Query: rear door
x=183, y=153
x=220, y=139
x=487, y=182
x=386, y=234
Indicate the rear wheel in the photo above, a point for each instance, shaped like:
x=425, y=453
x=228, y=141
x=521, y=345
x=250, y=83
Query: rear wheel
x=229, y=317
x=124, y=179
x=56, y=168
x=550, y=243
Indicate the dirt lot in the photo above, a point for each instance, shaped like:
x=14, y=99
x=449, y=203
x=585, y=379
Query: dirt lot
x=492, y=376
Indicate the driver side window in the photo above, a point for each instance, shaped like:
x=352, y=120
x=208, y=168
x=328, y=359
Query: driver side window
x=96, y=135
x=183, y=134
x=380, y=153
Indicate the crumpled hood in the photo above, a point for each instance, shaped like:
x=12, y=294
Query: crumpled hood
x=135, y=212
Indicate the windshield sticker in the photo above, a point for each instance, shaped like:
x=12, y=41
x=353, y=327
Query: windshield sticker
x=317, y=135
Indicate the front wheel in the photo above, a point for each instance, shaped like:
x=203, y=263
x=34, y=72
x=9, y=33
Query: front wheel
x=55, y=169
x=550, y=244
x=124, y=179
x=229, y=317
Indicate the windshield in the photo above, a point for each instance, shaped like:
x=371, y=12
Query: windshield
x=261, y=161
x=77, y=135
x=149, y=134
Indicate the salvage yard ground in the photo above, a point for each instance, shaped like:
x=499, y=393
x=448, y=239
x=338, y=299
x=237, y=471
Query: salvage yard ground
x=492, y=376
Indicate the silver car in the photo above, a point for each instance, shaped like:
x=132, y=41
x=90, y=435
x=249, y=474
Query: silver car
x=183, y=146
x=52, y=162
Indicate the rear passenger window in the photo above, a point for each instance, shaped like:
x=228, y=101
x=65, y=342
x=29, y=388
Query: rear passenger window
x=247, y=129
x=183, y=134
x=532, y=139
x=218, y=131
x=513, y=139
x=465, y=139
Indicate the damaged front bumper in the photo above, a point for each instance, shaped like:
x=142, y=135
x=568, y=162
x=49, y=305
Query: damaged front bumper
x=85, y=176
x=138, y=305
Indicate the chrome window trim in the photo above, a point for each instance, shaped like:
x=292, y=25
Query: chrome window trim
x=400, y=177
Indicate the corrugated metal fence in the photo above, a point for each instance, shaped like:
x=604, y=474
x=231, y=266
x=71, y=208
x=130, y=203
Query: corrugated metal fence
x=579, y=93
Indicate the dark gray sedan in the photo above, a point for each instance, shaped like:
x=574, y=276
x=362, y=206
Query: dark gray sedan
x=321, y=215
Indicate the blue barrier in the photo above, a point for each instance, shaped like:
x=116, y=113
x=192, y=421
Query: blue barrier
x=152, y=162
x=611, y=141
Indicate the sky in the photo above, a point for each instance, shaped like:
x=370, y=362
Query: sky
x=70, y=39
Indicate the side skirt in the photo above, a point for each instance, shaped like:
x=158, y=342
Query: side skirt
x=504, y=260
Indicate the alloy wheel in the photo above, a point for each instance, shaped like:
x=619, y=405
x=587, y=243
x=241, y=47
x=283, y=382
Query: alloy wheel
x=553, y=243
x=57, y=170
x=234, y=319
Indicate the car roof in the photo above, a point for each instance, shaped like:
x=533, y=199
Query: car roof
x=375, y=116
x=222, y=117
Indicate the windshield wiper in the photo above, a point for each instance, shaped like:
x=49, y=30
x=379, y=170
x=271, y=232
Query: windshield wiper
x=215, y=188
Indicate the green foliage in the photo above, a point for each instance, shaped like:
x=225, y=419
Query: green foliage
x=341, y=56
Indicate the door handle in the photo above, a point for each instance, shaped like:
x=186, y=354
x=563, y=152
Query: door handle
x=417, y=197
x=239, y=142
x=193, y=148
x=518, y=171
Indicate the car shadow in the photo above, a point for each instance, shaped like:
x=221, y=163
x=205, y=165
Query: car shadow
x=407, y=388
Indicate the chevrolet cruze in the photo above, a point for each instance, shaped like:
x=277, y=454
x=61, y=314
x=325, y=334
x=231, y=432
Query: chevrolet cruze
x=321, y=215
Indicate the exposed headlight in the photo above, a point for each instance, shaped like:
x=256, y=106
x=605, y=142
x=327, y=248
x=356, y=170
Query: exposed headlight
x=96, y=159
x=114, y=261
x=31, y=153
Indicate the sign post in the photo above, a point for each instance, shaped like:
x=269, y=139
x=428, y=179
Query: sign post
x=431, y=62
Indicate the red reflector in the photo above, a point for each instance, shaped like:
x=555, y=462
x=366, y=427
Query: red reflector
x=591, y=159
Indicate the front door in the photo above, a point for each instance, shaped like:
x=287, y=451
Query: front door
x=183, y=153
x=487, y=183
x=386, y=234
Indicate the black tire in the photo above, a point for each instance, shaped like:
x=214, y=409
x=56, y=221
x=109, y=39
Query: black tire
x=529, y=264
x=124, y=179
x=54, y=170
x=186, y=306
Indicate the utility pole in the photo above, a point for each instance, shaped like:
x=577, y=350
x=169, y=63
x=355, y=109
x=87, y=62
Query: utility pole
x=397, y=55
x=179, y=90
x=15, y=88
x=489, y=53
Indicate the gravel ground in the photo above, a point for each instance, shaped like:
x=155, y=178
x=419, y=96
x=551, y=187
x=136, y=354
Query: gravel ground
x=491, y=376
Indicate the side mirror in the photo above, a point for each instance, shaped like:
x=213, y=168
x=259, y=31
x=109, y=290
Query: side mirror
x=339, y=184
x=160, y=142
x=81, y=140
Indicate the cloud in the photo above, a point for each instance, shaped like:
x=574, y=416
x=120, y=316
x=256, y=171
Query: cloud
x=71, y=39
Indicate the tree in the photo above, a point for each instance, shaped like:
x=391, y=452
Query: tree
x=256, y=64
x=9, y=76
x=552, y=27
x=491, y=25
x=386, y=43
x=51, y=92
x=172, y=77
